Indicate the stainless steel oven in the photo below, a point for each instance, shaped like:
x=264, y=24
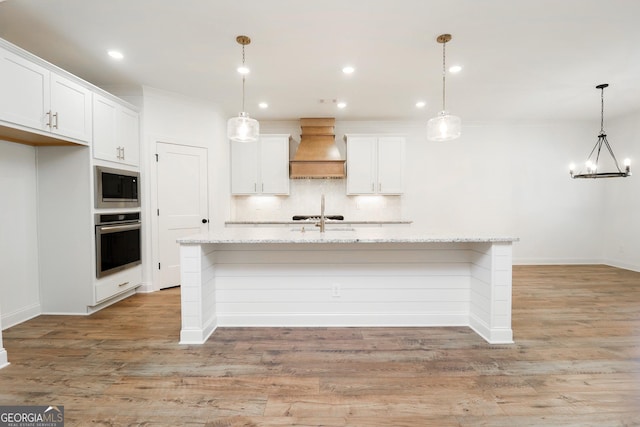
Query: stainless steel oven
x=118, y=243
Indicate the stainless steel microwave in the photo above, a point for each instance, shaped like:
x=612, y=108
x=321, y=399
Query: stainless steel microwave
x=116, y=188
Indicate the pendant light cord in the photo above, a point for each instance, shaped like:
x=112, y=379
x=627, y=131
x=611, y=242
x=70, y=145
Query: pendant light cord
x=444, y=74
x=602, y=110
x=243, y=78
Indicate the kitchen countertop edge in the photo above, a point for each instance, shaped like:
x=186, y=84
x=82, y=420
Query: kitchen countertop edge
x=369, y=235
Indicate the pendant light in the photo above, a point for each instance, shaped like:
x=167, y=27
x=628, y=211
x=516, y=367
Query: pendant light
x=243, y=128
x=592, y=164
x=443, y=127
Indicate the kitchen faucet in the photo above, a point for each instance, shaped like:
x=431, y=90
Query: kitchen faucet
x=323, y=219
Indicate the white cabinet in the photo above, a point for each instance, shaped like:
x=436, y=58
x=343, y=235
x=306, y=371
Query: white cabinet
x=260, y=167
x=115, y=132
x=375, y=164
x=35, y=98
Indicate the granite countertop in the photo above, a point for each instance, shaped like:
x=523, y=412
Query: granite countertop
x=337, y=235
x=303, y=222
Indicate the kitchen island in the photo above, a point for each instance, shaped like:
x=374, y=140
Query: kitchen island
x=279, y=277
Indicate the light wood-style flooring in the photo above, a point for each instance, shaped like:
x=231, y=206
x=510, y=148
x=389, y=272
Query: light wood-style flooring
x=575, y=361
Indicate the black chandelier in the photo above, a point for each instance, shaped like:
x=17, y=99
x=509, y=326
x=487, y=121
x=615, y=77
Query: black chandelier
x=593, y=160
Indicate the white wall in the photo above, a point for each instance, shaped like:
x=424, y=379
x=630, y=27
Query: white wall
x=498, y=178
x=173, y=118
x=19, y=285
x=622, y=201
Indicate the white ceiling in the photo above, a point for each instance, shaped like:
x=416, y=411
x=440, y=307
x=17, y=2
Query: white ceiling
x=535, y=59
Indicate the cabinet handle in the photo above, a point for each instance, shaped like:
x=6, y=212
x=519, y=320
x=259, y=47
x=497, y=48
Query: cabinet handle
x=380, y=187
x=122, y=153
x=373, y=187
x=48, y=113
x=123, y=284
x=263, y=187
x=55, y=115
x=255, y=187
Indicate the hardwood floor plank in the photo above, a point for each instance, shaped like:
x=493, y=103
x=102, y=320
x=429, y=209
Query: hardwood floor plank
x=575, y=362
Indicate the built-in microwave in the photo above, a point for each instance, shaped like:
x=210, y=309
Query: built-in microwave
x=116, y=188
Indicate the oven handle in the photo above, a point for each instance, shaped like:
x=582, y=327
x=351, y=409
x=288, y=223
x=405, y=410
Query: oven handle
x=105, y=229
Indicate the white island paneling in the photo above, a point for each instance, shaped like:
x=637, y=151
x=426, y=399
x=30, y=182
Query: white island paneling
x=368, y=277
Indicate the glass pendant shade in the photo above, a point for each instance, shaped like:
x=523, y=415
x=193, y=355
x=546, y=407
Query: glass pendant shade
x=243, y=128
x=444, y=127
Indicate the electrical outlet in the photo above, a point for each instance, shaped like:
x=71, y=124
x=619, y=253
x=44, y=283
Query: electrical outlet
x=335, y=290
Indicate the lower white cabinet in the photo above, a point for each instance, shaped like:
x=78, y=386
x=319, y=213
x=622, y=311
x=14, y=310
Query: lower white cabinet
x=260, y=167
x=375, y=164
x=117, y=283
x=116, y=135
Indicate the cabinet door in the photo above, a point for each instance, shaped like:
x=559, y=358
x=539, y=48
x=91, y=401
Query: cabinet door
x=70, y=109
x=104, y=129
x=128, y=136
x=390, y=165
x=274, y=165
x=244, y=167
x=24, y=92
x=361, y=165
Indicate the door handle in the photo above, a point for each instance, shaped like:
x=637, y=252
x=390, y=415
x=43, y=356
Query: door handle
x=205, y=220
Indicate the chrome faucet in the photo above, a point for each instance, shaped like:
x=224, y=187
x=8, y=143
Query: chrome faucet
x=323, y=219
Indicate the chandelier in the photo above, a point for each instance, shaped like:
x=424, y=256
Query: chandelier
x=443, y=127
x=243, y=128
x=593, y=161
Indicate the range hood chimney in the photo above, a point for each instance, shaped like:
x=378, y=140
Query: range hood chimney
x=317, y=155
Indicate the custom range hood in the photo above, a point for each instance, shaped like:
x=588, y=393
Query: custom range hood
x=317, y=155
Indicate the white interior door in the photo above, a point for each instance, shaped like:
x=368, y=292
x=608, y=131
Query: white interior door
x=182, y=203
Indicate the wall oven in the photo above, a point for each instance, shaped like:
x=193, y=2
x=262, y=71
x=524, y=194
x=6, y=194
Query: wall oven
x=118, y=242
x=116, y=188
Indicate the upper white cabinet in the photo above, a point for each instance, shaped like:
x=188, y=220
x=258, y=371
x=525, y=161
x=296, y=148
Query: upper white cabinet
x=375, y=164
x=36, y=98
x=116, y=135
x=260, y=167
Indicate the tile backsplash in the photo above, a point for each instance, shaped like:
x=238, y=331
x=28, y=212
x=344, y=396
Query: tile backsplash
x=304, y=199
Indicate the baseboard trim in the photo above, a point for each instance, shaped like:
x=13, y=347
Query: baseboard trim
x=623, y=265
x=198, y=336
x=341, y=320
x=22, y=315
x=556, y=261
x=491, y=335
x=550, y=261
x=4, y=361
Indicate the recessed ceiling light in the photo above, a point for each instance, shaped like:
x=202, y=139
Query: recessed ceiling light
x=348, y=69
x=421, y=104
x=455, y=69
x=115, y=54
x=263, y=105
x=243, y=70
x=341, y=104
